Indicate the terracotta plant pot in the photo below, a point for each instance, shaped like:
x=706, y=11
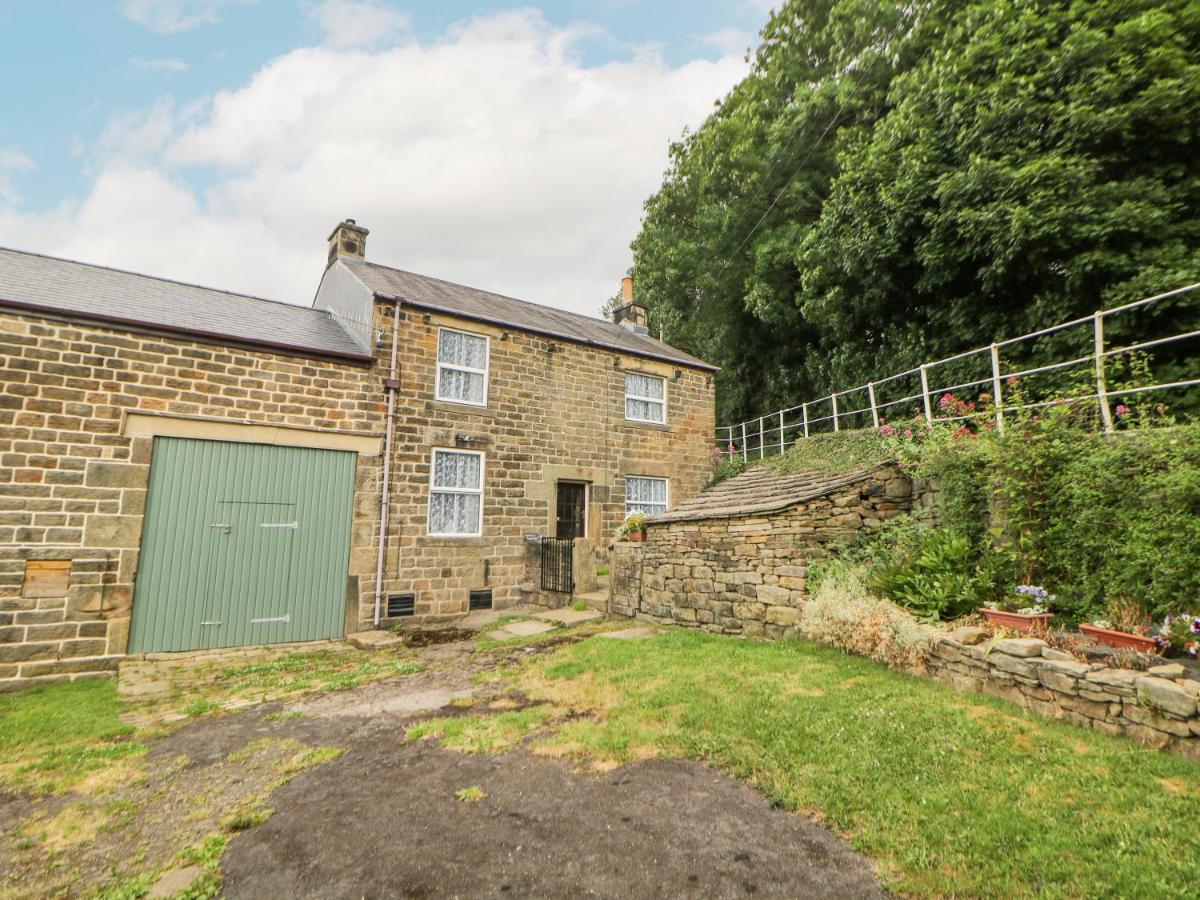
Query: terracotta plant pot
x=1018, y=621
x=636, y=536
x=1121, y=639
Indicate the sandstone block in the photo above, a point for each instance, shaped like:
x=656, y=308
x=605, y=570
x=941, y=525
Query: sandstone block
x=115, y=475
x=783, y=615
x=1165, y=695
x=1023, y=647
x=113, y=531
x=1170, y=671
x=969, y=634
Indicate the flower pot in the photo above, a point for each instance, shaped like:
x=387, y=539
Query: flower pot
x=636, y=536
x=1120, y=639
x=1018, y=621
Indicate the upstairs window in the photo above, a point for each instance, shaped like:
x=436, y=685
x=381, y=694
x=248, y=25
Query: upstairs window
x=645, y=495
x=462, y=367
x=645, y=398
x=456, y=493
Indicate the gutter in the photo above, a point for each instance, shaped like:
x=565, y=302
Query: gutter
x=391, y=385
x=571, y=338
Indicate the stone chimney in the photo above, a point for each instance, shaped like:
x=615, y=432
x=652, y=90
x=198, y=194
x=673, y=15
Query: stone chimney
x=347, y=241
x=630, y=314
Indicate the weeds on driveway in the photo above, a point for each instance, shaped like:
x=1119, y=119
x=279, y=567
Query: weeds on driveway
x=950, y=794
x=88, y=814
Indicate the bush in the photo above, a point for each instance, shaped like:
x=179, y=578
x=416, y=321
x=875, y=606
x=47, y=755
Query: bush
x=1093, y=517
x=935, y=573
x=843, y=614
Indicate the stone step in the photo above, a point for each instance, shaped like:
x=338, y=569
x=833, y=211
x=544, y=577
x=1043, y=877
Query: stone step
x=594, y=599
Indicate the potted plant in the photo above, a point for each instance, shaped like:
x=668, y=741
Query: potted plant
x=633, y=528
x=1027, y=610
x=1179, y=635
x=1126, y=627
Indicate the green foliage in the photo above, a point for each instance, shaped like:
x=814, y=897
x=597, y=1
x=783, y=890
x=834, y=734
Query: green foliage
x=58, y=733
x=1095, y=518
x=934, y=572
x=896, y=181
x=950, y=795
x=726, y=468
x=832, y=454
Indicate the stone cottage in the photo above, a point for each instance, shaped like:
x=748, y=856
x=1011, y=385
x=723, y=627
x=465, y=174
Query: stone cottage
x=184, y=468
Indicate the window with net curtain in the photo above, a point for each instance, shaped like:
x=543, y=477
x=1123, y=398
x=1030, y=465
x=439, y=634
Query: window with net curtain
x=456, y=493
x=645, y=398
x=645, y=495
x=462, y=367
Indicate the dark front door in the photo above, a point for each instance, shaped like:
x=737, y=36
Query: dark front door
x=572, y=510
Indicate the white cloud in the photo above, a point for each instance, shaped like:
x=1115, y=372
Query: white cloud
x=12, y=160
x=494, y=157
x=158, y=65
x=359, y=23
x=173, y=16
x=730, y=41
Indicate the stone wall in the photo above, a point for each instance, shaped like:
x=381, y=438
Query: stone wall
x=1157, y=708
x=746, y=574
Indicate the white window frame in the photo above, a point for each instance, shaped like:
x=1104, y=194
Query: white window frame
x=434, y=489
x=666, y=481
x=487, y=359
x=662, y=400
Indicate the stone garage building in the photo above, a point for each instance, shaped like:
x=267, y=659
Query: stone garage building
x=187, y=468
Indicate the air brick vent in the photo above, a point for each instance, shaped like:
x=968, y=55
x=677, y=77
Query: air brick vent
x=481, y=599
x=401, y=605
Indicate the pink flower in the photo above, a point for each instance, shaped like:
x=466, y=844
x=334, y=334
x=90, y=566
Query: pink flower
x=908, y=432
x=887, y=430
x=1122, y=409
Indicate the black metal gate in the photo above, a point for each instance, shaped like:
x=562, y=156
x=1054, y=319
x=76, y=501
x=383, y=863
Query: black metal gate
x=557, y=564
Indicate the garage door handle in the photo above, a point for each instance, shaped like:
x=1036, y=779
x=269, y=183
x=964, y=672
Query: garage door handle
x=204, y=624
x=224, y=526
x=279, y=525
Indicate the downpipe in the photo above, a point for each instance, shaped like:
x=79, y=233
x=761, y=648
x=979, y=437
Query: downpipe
x=391, y=385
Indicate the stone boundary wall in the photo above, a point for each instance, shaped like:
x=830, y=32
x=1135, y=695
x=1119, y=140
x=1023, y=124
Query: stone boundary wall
x=746, y=574
x=1157, y=708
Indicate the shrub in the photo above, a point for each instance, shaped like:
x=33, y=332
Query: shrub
x=843, y=614
x=933, y=572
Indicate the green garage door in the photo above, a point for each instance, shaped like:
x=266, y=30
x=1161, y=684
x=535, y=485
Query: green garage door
x=242, y=544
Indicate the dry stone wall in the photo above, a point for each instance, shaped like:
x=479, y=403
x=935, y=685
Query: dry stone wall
x=747, y=574
x=1157, y=707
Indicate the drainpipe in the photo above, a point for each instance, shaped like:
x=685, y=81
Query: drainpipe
x=391, y=385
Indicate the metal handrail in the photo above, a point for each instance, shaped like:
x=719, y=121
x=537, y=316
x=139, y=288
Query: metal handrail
x=757, y=428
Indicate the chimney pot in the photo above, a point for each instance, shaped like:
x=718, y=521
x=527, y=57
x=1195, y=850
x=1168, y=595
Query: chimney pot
x=627, y=290
x=348, y=240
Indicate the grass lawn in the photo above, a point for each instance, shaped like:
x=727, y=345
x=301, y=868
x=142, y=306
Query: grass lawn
x=950, y=794
x=53, y=735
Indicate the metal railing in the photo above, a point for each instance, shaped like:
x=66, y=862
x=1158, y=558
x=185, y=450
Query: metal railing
x=773, y=431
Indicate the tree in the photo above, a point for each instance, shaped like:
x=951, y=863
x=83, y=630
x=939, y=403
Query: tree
x=895, y=182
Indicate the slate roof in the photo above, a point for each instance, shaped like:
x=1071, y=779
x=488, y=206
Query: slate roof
x=62, y=286
x=760, y=489
x=437, y=295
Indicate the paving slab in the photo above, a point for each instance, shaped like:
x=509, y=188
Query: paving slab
x=171, y=883
x=376, y=639
x=524, y=629
x=568, y=616
x=631, y=634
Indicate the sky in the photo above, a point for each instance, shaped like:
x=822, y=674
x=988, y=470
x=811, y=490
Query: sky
x=505, y=146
